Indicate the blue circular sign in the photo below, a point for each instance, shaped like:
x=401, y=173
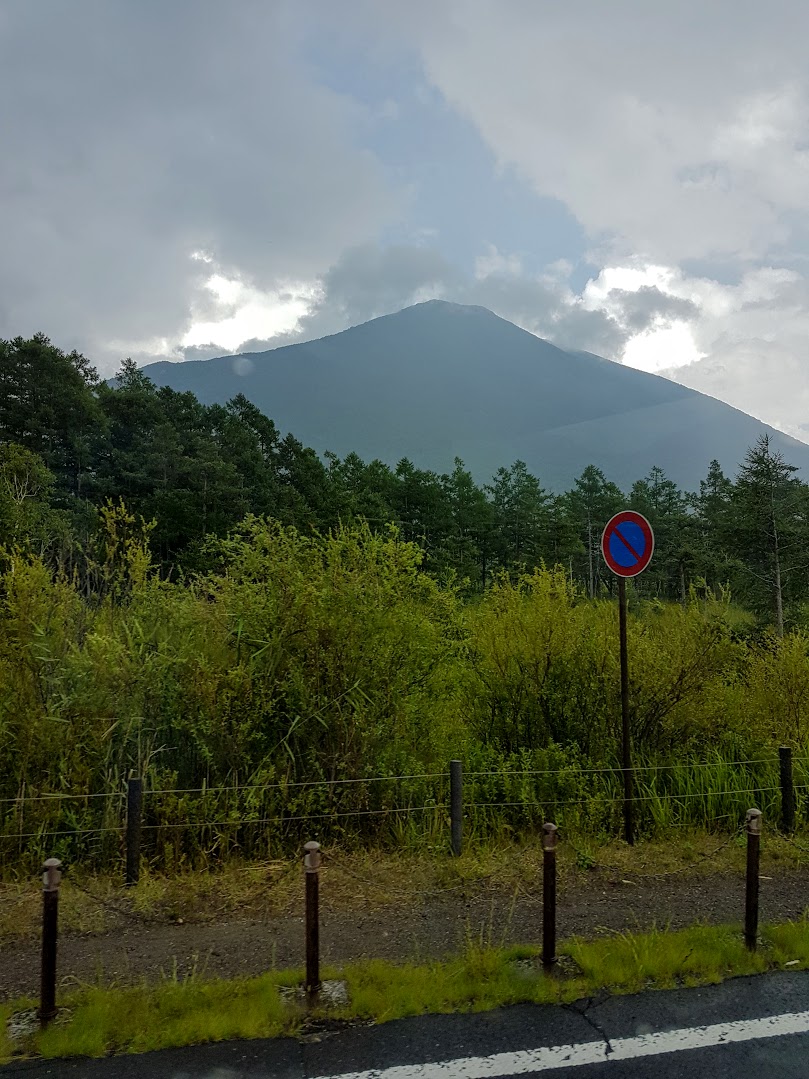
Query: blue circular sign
x=627, y=543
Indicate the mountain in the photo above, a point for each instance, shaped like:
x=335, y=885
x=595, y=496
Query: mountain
x=439, y=380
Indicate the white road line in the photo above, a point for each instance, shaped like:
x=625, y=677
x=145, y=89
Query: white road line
x=531, y=1061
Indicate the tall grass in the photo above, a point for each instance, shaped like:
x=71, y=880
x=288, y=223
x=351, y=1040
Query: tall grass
x=205, y=827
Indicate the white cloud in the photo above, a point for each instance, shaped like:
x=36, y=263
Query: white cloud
x=753, y=338
x=657, y=308
x=671, y=132
x=661, y=347
x=745, y=342
x=178, y=181
x=676, y=135
x=493, y=262
x=137, y=135
x=242, y=312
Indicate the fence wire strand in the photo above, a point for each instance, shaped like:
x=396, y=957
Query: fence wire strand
x=392, y=810
x=572, y=772
x=568, y=773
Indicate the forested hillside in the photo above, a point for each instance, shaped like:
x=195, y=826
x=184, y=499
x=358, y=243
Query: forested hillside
x=439, y=380
x=71, y=443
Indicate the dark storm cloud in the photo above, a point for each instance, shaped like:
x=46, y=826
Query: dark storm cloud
x=369, y=281
x=645, y=306
x=548, y=309
x=134, y=134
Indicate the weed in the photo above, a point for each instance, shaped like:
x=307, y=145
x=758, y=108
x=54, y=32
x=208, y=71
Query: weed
x=175, y=1012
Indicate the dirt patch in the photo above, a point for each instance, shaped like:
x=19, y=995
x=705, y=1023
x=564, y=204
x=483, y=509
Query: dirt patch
x=432, y=925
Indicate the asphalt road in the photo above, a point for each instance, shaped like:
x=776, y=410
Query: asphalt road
x=750, y=1027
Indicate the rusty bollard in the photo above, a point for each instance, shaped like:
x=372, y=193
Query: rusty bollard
x=549, y=895
x=51, y=878
x=753, y=826
x=311, y=864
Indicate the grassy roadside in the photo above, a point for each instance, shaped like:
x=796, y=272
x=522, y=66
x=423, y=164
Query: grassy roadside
x=98, y=1021
x=372, y=879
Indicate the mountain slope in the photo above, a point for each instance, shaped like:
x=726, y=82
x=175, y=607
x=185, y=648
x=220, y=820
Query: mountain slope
x=441, y=380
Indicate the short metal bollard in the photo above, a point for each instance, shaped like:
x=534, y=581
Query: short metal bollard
x=549, y=841
x=753, y=825
x=456, y=806
x=51, y=878
x=311, y=864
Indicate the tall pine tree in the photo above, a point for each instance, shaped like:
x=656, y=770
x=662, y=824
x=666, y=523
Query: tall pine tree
x=770, y=526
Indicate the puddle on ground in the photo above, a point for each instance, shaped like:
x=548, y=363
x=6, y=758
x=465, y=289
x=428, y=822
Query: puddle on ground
x=22, y=1025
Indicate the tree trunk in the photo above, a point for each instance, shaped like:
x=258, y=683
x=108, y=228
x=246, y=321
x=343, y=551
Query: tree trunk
x=778, y=592
x=779, y=596
x=590, y=555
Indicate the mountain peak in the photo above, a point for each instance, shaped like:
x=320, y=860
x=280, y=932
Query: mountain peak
x=448, y=306
x=440, y=380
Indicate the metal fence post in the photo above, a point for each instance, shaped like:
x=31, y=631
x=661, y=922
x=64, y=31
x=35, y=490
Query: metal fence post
x=753, y=825
x=51, y=878
x=456, y=806
x=787, y=789
x=134, y=808
x=549, y=895
x=311, y=864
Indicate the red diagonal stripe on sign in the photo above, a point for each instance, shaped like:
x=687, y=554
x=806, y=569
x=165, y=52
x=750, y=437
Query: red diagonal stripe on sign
x=627, y=544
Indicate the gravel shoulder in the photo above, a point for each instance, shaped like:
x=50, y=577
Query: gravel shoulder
x=415, y=928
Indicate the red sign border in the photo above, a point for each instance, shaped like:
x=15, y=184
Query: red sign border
x=640, y=520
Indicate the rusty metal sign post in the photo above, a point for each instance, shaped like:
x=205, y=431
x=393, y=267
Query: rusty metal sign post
x=627, y=545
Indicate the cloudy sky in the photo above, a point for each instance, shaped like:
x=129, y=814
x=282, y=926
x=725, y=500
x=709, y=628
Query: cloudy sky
x=183, y=178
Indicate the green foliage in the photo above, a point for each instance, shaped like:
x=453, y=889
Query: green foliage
x=175, y=1012
x=520, y=512
x=346, y=652
x=303, y=658
x=27, y=516
x=198, y=470
x=187, y=594
x=701, y=955
x=48, y=405
x=590, y=505
x=299, y=660
x=546, y=668
x=769, y=529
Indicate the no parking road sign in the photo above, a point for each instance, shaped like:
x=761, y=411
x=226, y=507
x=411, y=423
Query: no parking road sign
x=628, y=543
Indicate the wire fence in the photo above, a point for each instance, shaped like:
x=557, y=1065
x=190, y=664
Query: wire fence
x=616, y=769
x=192, y=825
